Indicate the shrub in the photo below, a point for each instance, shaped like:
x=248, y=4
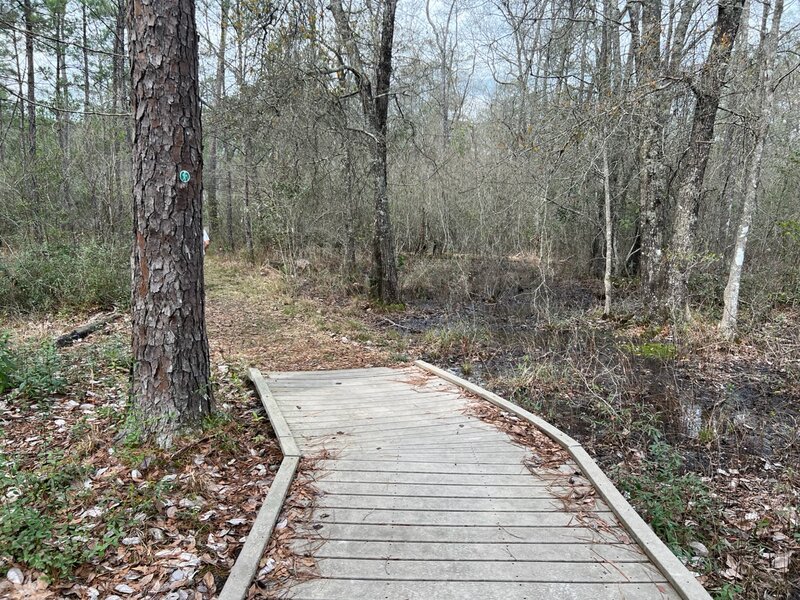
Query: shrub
x=31, y=371
x=50, y=278
x=673, y=503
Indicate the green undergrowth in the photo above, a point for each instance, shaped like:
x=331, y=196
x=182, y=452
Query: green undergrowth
x=40, y=526
x=68, y=277
x=678, y=505
x=31, y=370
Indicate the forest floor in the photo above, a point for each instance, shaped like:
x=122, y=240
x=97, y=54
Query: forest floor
x=701, y=435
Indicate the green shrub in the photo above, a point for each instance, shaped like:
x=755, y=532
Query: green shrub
x=669, y=500
x=8, y=365
x=51, y=278
x=28, y=532
x=31, y=371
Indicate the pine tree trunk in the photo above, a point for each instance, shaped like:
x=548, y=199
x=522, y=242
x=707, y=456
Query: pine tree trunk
x=171, y=385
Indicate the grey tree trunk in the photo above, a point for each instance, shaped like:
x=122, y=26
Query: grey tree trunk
x=229, y=199
x=213, y=183
x=171, y=385
x=375, y=105
x=85, y=50
x=608, y=227
x=653, y=174
x=707, y=89
x=27, y=6
x=248, y=217
x=764, y=103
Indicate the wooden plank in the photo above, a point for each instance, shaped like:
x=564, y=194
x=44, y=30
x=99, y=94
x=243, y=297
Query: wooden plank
x=434, y=491
x=376, y=410
x=246, y=565
x=615, y=553
x=407, y=430
x=514, y=505
x=504, y=456
x=301, y=421
x=397, y=466
x=279, y=425
x=387, y=477
x=368, y=372
x=426, y=518
x=447, y=534
x=336, y=589
x=511, y=571
x=470, y=443
x=553, y=432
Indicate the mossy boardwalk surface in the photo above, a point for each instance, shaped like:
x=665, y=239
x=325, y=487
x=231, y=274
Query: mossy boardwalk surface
x=420, y=496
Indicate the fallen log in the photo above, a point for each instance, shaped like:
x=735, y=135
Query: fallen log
x=86, y=330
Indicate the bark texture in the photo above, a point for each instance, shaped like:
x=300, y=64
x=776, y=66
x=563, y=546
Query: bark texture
x=653, y=176
x=765, y=100
x=375, y=105
x=170, y=348
x=707, y=89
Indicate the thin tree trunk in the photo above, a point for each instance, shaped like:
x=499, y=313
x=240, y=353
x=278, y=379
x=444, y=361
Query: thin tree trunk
x=171, y=373
x=608, y=227
x=33, y=194
x=707, y=91
x=211, y=188
x=229, y=199
x=766, y=99
x=248, y=219
x=85, y=40
x=62, y=117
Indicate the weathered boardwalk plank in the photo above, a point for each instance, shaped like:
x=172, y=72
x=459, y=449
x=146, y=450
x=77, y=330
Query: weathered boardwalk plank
x=421, y=500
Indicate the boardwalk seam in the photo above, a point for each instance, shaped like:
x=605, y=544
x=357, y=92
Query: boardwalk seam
x=246, y=565
x=676, y=573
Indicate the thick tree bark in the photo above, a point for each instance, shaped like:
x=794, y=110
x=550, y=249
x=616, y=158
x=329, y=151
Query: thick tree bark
x=764, y=103
x=707, y=89
x=213, y=183
x=171, y=385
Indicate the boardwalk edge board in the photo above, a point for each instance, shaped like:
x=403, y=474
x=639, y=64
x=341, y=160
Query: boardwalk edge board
x=246, y=565
x=674, y=570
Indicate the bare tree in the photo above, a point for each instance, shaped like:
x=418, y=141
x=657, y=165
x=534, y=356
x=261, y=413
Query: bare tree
x=219, y=86
x=375, y=106
x=707, y=89
x=765, y=98
x=171, y=385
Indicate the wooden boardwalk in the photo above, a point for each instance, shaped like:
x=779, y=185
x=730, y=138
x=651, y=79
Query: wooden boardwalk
x=421, y=499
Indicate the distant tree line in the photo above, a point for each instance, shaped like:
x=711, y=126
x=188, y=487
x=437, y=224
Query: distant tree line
x=650, y=140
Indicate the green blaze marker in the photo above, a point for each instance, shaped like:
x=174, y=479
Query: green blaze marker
x=184, y=176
